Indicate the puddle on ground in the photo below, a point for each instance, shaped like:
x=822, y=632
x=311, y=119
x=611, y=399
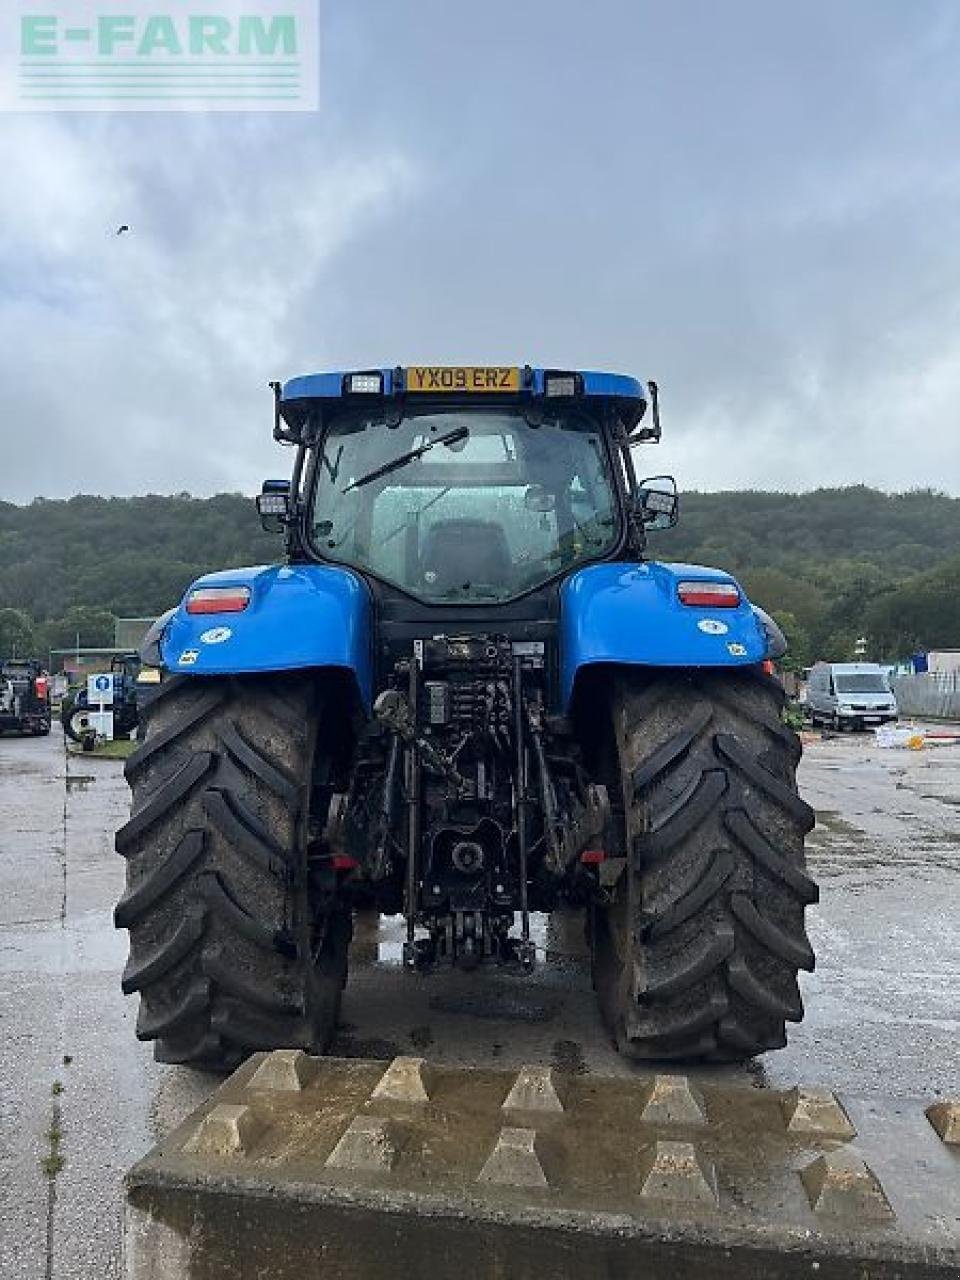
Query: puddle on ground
x=829, y=820
x=567, y=1058
x=757, y=1072
x=378, y=940
x=346, y=1045
x=421, y=1037
x=497, y=1005
x=80, y=781
x=88, y=944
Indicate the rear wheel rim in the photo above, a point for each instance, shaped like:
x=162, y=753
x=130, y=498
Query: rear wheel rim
x=79, y=723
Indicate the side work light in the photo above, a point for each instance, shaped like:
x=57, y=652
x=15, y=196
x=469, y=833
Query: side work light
x=273, y=505
x=560, y=384
x=363, y=384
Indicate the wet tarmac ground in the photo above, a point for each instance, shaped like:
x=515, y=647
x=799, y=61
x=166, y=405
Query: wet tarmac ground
x=81, y=1099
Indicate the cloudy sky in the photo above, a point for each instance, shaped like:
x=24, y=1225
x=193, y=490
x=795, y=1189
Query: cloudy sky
x=757, y=203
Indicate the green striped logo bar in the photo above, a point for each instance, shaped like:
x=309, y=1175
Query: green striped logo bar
x=116, y=55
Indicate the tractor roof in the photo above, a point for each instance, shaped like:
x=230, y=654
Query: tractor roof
x=334, y=385
x=489, y=384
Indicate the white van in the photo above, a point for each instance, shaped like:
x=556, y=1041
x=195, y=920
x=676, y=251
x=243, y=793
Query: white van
x=850, y=695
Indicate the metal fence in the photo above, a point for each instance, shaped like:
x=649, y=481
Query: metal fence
x=935, y=693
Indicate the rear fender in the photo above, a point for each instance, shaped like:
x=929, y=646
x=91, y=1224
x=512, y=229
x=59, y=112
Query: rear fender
x=631, y=614
x=299, y=616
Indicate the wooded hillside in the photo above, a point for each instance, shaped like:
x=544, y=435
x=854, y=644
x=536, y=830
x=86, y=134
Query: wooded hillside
x=833, y=565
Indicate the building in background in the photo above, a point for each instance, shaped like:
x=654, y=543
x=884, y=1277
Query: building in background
x=942, y=660
x=77, y=664
x=129, y=633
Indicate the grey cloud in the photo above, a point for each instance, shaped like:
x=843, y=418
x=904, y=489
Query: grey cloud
x=755, y=203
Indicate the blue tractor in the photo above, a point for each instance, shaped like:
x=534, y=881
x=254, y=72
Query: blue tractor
x=465, y=695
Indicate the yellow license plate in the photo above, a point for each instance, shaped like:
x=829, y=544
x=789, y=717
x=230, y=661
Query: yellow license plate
x=483, y=379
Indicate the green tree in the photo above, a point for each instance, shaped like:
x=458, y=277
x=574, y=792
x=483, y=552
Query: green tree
x=923, y=611
x=838, y=646
x=778, y=591
x=83, y=625
x=798, y=653
x=842, y=562
x=18, y=636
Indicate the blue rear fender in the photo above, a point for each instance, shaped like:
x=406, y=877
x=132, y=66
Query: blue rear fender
x=299, y=616
x=631, y=614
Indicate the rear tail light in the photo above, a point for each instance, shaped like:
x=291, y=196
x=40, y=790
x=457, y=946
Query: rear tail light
x=710, y=595
x=218, y=600
x=593, y=857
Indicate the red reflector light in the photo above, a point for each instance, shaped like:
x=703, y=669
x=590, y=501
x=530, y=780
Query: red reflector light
x=709, y=595
x=40, y=684
x=343, y=862
x=769, y=667
x=593, y=857
x=218, y=600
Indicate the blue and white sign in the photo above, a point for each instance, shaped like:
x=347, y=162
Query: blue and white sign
x=100, y=690
x=101, y=722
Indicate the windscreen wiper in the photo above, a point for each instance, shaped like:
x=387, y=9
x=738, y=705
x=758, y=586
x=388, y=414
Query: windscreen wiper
x=451, y=437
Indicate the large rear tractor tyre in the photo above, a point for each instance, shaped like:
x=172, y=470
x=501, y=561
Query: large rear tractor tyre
x=696, y=955
x=229, y=949
x=74, y=720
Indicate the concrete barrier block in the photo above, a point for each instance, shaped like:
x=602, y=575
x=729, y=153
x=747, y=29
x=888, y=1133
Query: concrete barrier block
x=514, y=1161
x=226, y=1130
x=840, y=1183
x=368, y=1144
x=330, y=1180
x=673, y=1100
x=284, y=1071
x=945, y=1118
x=677, y=1172
x=533, y=1090
x=816, y=1112
x=405, y=1080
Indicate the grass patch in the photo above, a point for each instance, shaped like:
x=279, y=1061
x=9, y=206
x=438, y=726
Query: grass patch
x=52, y=1164
x=793, y=716
x=119, y=749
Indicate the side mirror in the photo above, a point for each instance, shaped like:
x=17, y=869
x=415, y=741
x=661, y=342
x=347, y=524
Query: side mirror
x=273, y=505
x=658, y=503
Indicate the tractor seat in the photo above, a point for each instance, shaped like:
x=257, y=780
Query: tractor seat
x=461, y=551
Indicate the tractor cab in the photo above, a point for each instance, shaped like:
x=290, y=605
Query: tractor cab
x=469, y=486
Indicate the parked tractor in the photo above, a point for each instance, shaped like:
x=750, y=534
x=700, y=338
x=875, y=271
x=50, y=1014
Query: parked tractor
x=466, y=695
x=76, y=709
x=24, y=697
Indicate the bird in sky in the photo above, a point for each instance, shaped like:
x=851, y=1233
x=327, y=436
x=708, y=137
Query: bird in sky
x=122, y=229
